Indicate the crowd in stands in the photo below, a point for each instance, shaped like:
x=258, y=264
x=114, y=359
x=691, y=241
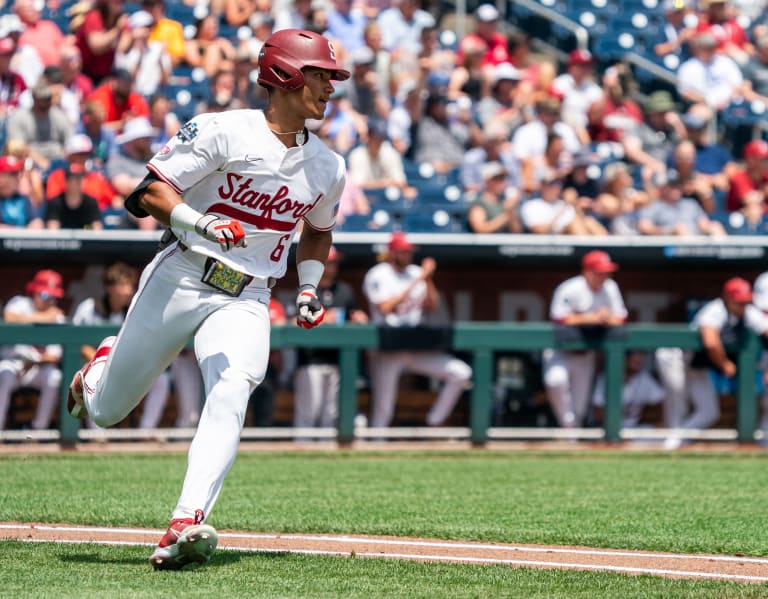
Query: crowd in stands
x=486, y=133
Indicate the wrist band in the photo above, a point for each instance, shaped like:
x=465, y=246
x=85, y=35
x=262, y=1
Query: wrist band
x=183, y=216
x=310, y=272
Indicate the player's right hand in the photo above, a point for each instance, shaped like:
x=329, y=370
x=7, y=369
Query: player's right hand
x=309, y=311
x=226, y=232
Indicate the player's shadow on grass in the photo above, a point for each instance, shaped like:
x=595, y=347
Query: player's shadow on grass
x=220, y=558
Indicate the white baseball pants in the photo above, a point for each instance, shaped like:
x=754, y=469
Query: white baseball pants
x=386, y=368
x=231, y=339
x=681, y=382
x=316, y=395
x=44, y=377
x=568, y=378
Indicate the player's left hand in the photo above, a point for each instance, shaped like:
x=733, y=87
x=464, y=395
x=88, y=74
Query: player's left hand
x=309, y=311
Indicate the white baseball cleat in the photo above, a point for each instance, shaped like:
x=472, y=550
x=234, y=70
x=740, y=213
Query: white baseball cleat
x=183, y=544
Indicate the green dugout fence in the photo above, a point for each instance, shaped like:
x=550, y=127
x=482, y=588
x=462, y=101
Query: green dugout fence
x=482, y=340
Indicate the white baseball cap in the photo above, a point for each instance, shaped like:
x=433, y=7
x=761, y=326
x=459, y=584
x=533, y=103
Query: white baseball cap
x=136, y=129
x=141, y=18
x=487, y=12
x=760, y=292
x=78, y=144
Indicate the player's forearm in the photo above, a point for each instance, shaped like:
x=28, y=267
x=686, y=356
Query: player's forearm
x=313, y=244
x=159, y=199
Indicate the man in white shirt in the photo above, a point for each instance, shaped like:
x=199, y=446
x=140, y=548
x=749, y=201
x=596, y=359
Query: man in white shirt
x=709, y=77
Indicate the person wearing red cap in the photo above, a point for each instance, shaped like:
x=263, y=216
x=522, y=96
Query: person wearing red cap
x=316, y=380
x=590, y=301
x=686, y=375
x=399, y=293
x=30, y=365
x=751, y=178
x=16, y=209
x=579, y=90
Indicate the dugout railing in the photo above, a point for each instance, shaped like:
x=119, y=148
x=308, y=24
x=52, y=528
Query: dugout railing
x=482, y=340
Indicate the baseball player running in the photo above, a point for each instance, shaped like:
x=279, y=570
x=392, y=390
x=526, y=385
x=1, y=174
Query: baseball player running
x=233, y=188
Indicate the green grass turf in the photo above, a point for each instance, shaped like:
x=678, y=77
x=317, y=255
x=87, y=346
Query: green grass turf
x=680, y=502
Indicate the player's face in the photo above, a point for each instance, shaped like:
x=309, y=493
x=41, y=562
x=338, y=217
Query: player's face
x=315, y=93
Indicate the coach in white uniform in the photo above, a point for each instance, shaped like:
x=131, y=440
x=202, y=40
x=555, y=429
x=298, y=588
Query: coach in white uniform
x=399, y=293
x=589, y=299
x=234, y=188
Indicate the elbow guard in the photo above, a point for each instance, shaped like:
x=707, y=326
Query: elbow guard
x=132, y=201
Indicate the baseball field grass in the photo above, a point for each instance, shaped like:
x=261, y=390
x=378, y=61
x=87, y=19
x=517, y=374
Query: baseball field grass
x=684, y=502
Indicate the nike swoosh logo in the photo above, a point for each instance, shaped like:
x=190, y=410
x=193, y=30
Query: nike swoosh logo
x=253, y=158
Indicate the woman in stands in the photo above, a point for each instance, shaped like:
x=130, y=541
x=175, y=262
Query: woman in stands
x=209, y=51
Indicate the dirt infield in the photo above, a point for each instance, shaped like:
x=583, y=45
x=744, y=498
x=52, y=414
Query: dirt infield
x=696, y=566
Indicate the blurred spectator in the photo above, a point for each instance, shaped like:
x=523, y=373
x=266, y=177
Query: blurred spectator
x=675, y=33
x=72, y=76
x=495, y=147
x=341, y=129
x=316, y=380
x=11, y=83
x=495, y=210
x=694, y=184
x=653, y=140
x=148, y=62
x=376, y=164
x=353, y=200
x=406, y=113
x=470, y=77
x=713, y=160
x=119, y=100
x=102, y=138
x=208, y=49
x=366, y=94
x=44, y=128
x=401, y=27
x=98, y=36
x=222, y=95
x=293, y=14
x=62, y=97
x=618, y=183
x=615, y=114
x=437, y=140
x=554, y=163
x=166, y=31
x=755, y=86
x=346, y=24
x=261, y=25
x=25, y=60
x=163, y=120
x=589, y=304
x=504, y=103
x=551, y=214
x=751, y=177
x=494, y=43
x=579, y=91
x=640, y=389
x=73, y=209
x=760, y=301
x=751, y=218
x=583, y=178
x=31, y=175
x=731, y=39
x=78, y=152
x=686, y=375
x=43, y=35
x=16, y=210
x=237, y=12
x=708, y=78
x=530, y=140
x=673, y=214
x=382, y=63
x=399, y=293
x=128, y=167
x=30, y=365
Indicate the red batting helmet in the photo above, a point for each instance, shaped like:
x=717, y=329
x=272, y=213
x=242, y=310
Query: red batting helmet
x=288, y=51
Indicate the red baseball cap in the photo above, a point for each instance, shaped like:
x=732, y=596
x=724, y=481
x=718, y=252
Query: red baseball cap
x=48, y=281
x=598, y=261
x=757, y=148
x=10, y=164
x=399, y=242
x=580, y=57
x=738, y=290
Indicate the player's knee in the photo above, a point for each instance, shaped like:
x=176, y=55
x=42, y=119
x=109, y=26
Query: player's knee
x=52, y=376
x=458, y=371
x=556, y=376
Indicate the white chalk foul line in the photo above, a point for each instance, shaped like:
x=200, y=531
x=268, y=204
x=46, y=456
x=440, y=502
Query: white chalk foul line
x=423, y=557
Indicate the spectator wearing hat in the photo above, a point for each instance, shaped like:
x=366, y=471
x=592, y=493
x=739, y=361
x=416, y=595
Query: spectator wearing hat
x=73, y=209
x=400, y=294
x=11, y=83
x=43, y=35
x=366, y=94
x=78, y=150
x=750, y=178
x=126, y=168
x=719, y=19
x=486, y=34
x=495, y=147
x=496, y=209
x=316, y=380
x=30, y=365
x=16, y=209
x=676, y=32
x=579, y=91
x=119, y=100
x=346, y=25
x=401, y=27
x=148, y=62
x=44, y=127
x=505, y=103
x=708, y=77
x=686, y=375
x=674, y=214
x=588, y=304
x=376, y=164
x=98, y=36
x=167, y=31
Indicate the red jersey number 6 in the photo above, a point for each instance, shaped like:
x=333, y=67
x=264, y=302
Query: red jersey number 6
x=279, y=248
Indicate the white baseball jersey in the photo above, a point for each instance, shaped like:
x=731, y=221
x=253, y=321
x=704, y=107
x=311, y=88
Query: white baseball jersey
x=383, y=282
x=87, y=313
x=231, y=165
x=22, y=304
x=715, y=315
x=574, y=296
